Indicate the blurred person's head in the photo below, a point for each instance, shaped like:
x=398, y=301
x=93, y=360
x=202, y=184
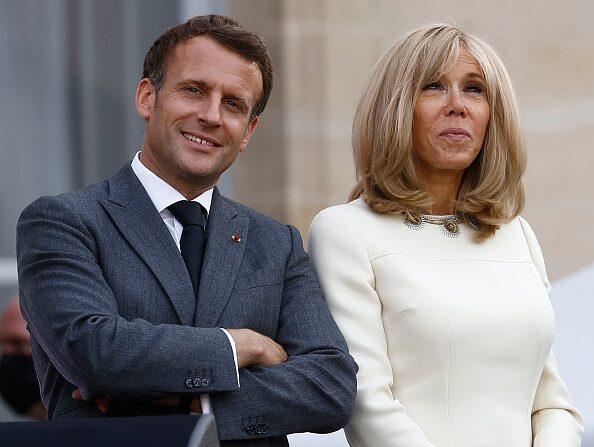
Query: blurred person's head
x=388, y=130
x=18, y=381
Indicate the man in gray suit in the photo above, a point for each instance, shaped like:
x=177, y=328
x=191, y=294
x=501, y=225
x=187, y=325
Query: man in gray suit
x=129, y=325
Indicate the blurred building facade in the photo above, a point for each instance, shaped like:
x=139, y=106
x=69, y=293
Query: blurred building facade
x=325, y=50
x=68, y=71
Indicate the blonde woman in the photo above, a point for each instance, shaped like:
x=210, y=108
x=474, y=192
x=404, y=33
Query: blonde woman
x=435, y=281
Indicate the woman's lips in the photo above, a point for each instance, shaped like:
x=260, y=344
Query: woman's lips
x=455, y=134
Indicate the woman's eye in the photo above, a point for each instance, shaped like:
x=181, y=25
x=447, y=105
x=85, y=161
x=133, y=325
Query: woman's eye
x=474, y=88
x=432, y=86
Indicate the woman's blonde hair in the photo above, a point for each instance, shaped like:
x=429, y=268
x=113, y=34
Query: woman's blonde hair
x=492, y=190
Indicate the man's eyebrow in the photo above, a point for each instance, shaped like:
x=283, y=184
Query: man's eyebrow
x=190, y=81
x=236, y=97
x=199, y=83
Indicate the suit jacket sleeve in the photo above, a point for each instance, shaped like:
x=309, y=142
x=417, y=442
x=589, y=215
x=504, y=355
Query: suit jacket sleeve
x=555, y=422
x=345, y=273
x=314, y=390
x=73, y=314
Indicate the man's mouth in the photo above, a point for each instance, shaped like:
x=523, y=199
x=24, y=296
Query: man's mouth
x=198, y=140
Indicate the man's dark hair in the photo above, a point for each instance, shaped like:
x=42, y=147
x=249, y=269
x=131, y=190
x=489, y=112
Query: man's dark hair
x=224, y=30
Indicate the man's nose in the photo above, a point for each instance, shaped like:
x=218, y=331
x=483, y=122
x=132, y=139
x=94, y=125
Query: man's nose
x=455, y=104
x=210, y=112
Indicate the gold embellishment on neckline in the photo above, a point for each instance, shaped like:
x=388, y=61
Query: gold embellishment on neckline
x=449, y=225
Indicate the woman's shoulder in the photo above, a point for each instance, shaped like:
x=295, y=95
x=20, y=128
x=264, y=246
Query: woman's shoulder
x=356, y=209
x=353, y=221
x=516, y=228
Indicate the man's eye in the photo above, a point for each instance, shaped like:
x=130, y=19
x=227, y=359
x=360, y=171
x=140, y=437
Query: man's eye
x=233, y=104
x=192, y=89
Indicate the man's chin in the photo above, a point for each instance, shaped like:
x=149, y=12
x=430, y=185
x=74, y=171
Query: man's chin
x=202, y=178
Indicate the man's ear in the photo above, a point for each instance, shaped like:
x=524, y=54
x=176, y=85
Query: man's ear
x=248, y=133
x=146, y=96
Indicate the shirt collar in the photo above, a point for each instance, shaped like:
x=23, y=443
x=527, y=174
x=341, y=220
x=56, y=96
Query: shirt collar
x=161, y=193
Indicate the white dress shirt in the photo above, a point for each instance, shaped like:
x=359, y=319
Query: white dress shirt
x=162, y=194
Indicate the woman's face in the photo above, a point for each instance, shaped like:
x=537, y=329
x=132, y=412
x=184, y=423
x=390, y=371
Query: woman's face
x=450, y=119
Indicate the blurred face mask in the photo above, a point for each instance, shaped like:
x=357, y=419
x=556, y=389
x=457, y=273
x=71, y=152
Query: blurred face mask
x=18, y=382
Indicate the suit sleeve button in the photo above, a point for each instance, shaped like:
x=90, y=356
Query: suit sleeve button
x=261, y=428
x=189, y=383
x=206, y=382
x=197, y=382
x=250, y=429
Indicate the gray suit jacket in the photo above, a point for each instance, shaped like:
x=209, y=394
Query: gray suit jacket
x=111, y=310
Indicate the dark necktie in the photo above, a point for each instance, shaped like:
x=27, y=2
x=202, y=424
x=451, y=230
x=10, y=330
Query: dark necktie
x=193, y=238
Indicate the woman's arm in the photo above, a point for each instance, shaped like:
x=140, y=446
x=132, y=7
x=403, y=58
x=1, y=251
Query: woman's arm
x=346, y=276
x=555, y=422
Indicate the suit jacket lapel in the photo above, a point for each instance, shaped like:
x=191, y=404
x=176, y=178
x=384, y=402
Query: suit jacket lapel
x=134, y=214
x=222, y=259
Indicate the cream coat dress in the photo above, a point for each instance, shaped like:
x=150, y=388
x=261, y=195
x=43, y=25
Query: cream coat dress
x=452, y=337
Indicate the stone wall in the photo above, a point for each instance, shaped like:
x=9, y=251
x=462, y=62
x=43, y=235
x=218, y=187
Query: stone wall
x=301, y=162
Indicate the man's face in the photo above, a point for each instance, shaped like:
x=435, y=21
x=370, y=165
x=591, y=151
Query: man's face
x=200, y=120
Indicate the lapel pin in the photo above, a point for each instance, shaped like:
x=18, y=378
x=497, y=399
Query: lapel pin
x=236, y=237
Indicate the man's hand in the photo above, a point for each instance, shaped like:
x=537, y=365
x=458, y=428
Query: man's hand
x=102, y=402
x=256, y=349
x=195, y=405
